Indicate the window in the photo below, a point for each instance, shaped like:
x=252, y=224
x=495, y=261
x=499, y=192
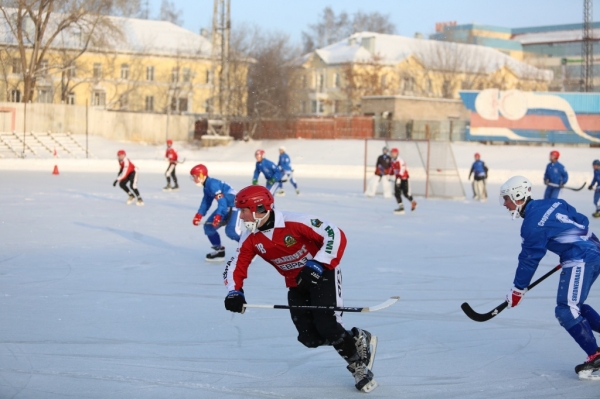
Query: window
x=187, y=75
x=97, y=70
x=320, y=81
x=44, y=95
x=71, y=71
x=149, y=103
x=317, y=107
x=98, y=98
x=15, y=96
x=336, y=80
x=71, y=98
x=179, y=104
x=175, y=75
x=16, y=65
x=150, y=74
x=208, y=76
x=43, y=67
x=408, y=83
x=124, y=71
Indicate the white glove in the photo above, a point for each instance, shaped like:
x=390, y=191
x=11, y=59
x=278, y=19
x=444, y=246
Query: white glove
x=514, y=296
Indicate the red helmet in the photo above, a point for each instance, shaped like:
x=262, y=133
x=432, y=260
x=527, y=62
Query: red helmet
x=199, y=170
x=121, y=152
x=169, y=142
x=477, y=155
x=394, y=150
x=259, y=152
x=555, y=154
x=257, y=198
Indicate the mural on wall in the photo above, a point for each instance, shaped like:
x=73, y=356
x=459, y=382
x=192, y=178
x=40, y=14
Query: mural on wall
x=514, y=115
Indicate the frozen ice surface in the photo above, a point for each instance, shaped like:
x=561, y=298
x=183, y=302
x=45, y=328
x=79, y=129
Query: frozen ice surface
x=103, y=300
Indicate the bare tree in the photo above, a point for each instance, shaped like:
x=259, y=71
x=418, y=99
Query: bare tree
x=363, y=79
x=332, y=28
x=37, y=25
x=168, y=12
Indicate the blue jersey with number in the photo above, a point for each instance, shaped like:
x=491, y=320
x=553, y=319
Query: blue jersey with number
x=267, y=168
x=221, y=192
x=556, y=173
x=554, y=225
x=285, y=163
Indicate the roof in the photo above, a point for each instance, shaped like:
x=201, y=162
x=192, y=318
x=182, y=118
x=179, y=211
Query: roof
x=439, y=55
x=551, y=28
x=143, y=36
x=553, y=36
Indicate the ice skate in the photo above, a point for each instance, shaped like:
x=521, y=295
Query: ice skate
x=413, y=205
x=596, y=214
x=363, y=377
x=175, y=187
x=167, y=187
x=298, y=191
x=130, y=199
x=280, y=193
x=400, y=210
x=218, y=255
x=140, y=202
x=591, y=364
x=366, y=346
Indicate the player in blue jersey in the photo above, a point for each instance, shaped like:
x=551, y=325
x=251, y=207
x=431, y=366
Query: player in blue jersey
x=479, y=172
x=596, y=182
x=556, y=176
x=285, y=164
x=554, y=225
x=225, y=215
x=272, y=172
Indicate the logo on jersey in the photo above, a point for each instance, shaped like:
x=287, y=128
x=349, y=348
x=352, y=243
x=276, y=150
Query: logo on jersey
x=289, y=240
x=316, y=222
x=261, y=248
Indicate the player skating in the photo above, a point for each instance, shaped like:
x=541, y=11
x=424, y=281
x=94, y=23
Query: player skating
x=553, y=224
x=556, y=176
x=402, y=186
x=171, y=156
x=382, y=169
x=285, y=164
x=596, y=181
x=225, y=215
x=306, y=251
x=479, y=172
x=128, y=175
x=273, y=173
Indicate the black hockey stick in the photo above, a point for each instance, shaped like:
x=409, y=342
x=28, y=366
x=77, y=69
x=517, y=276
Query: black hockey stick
x=375, y=308
x=481, y=317
x=568, y=188
x=181, y=162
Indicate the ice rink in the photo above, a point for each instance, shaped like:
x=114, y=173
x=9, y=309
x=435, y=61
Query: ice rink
x=103, y=300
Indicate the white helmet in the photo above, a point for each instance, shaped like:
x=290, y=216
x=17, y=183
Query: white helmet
x=517, y=188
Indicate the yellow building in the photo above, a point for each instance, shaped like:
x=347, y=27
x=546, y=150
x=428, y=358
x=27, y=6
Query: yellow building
x=332, y=80
x=145, y=65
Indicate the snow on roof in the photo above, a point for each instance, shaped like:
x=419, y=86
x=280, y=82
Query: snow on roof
x=393, y=49
x=143, y=36
x=553, y=37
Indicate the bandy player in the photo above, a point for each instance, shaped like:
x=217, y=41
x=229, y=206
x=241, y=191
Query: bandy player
x=306, y=251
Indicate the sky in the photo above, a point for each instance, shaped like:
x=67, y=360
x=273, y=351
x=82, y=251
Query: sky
x=410, y=16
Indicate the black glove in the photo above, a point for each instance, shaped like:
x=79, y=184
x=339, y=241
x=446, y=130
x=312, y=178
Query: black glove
x=115, y=183
x=235, y=301
x=590, y=187
x=310, y=276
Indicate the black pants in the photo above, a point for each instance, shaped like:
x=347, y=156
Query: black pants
x=319, y=327
x=402, y=188
x=132, y=180
x=170, y=173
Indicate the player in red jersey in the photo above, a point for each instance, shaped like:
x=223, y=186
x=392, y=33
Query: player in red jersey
x=402, y=187
x=128, y=174
x=171, y=156
x=306, y=251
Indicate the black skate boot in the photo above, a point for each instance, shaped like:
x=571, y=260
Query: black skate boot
x=167, y=187
x=596, y=214
x=218, y=255
x=363, y=377
x=130, y=199
x=175, y=187
x=366, y=346
x=140, y=202
x=591, y=364
x=400, y=210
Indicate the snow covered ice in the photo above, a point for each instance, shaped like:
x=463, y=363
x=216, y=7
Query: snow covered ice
x=103, y=300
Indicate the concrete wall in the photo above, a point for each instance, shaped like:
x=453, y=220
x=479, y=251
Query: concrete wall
x=415, y=108
x=130, y=126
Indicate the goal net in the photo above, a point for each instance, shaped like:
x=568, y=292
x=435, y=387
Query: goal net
x=431, y=166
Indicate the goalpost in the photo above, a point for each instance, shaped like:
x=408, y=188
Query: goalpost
x=431, y=166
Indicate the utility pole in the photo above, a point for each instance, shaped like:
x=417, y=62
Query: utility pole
x=220, y=90
x=587, y=49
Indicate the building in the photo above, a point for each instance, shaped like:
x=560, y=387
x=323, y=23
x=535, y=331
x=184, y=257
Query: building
x=334, y=79
x=137, y=65
x=554, y=47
